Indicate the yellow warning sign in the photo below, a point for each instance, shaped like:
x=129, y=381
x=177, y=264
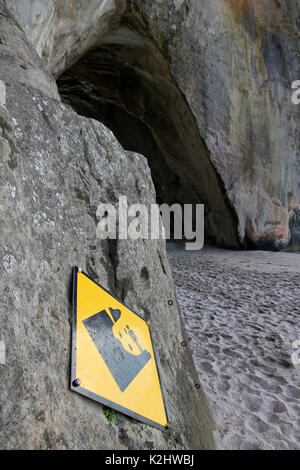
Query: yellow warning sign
x=113, y=360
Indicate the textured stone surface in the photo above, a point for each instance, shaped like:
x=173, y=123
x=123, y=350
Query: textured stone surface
x=235, y=62
x=62, y=31
x=295, y=229
x=19, y=61
x=241, y=312
x=112, y=39
x=56, y=168
x=126, y=84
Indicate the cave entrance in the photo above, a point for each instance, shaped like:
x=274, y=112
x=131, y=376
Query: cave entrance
x=125, y=83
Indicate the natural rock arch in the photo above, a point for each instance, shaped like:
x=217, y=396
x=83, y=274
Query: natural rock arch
x=125, y=83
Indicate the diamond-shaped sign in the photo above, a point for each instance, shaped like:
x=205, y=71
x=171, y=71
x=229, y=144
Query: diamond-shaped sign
x=113, y=360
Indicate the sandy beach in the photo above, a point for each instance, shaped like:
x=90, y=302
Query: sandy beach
x=242, y=315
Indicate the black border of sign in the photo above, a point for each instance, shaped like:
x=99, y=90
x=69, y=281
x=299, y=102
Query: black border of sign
x=93, y=396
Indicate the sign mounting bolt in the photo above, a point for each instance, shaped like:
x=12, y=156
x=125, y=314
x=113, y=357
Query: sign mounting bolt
x=77, y=383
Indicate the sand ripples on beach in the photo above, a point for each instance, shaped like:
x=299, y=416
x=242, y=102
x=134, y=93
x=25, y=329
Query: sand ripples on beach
x=242, y=316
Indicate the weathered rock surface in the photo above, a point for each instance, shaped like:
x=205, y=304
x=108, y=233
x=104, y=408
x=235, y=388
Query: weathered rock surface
x=241, y=312
x=18, y=59
x=62, y=31
x=126, y=84
x=235, y=62
x=56, y=167
x=121, y=78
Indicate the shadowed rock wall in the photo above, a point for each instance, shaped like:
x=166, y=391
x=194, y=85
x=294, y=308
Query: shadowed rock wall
x=235, y=62
x=125, y=83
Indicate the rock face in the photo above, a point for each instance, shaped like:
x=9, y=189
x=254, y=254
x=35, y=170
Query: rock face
x=62, y=31
x=126, y=84
x=56, y=167
x=18, y=59
x=295, y=229
x=234, y=61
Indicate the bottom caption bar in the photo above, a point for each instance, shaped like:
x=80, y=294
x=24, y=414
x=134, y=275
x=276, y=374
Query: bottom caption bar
x=139, y=459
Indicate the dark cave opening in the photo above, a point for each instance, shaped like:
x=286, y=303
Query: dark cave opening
x=126, y=84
